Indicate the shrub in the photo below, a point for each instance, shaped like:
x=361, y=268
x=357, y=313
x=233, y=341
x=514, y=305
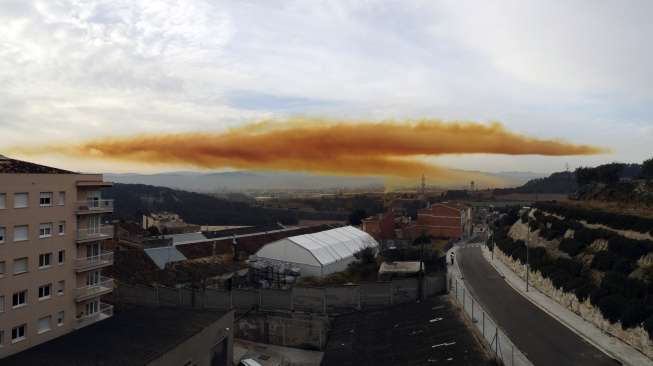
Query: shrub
x=623, y=265
x=634, y=314
x=597, y=295
x=603, y=261
x=572, y=246
x=612, y=307
x=648, y=325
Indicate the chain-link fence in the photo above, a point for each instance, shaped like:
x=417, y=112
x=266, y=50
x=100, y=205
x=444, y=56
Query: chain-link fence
x=495, y=338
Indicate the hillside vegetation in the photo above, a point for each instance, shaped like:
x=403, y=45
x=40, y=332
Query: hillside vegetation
x=134, y=200
x=614, y=272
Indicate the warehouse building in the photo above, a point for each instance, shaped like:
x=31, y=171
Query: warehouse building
x=318, y=254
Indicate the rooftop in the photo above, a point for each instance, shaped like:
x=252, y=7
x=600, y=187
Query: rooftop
x=405, y=267
x=426, y=333
x=132, y=337
x=13, y=166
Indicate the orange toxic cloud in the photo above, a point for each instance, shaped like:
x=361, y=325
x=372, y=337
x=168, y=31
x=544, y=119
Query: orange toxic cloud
x=391, y=149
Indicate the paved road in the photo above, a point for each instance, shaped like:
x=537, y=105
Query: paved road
x=542, y=338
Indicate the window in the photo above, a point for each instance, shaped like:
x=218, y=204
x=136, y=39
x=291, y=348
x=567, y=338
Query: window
x=61, y=286
x=45, y=200
x=2, y=234
x=19, y=299
x=45, y=260
x=20, y=232
x=93, y=278
x=20, y=265
x=60, y=318
x=62, y=198
x=2, y=269
x=45, y=291
x=2, y=303
x=18, y=333
x=62, y=227
x=20, y=200
x=62, y=256
x=92, y=307
x=45, y=230
x=44, y=324
x=2, y=338
x=3, y=200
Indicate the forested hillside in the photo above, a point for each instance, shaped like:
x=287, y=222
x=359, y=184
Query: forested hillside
x=133, y=200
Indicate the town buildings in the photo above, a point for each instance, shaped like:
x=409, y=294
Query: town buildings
x=381, y=226
x=443, y=220
x=52, y=253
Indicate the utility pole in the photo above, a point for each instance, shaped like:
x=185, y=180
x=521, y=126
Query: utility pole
x=528, y=240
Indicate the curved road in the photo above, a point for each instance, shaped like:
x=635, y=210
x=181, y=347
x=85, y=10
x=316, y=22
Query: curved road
x=539, y=336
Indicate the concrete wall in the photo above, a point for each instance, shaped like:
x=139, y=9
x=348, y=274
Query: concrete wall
x=199, y=349
x=290, y=330
x=331, y=299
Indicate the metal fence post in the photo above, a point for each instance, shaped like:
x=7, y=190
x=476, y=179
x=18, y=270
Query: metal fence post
x=463, y=298
x=496, y=339
x=483, y=314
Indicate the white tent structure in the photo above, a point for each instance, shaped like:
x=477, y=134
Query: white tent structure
x=318, y=254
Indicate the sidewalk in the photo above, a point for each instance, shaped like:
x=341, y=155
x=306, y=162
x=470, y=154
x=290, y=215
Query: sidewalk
x=612, y=346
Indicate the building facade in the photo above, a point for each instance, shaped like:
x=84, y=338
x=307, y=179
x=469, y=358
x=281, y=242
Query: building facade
x=443, y=220
x=381, y=227
x=52, y=253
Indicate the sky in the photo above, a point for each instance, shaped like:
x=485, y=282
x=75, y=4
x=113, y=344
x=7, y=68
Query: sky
x=73, y=70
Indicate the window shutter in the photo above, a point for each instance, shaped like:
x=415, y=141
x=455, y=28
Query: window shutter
x=20, y=233
x=20, y=200
x=20, y=265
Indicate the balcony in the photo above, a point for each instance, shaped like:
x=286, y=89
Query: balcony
x=101, y=288
x=91, y=234
x=88, y=263
x=106, y=311
x=94, y=206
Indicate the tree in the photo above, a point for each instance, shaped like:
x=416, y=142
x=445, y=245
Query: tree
x=153, y=231
x=357, y=216
x=647, y=169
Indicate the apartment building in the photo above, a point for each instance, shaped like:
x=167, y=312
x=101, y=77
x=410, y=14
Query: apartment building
x=52, y=254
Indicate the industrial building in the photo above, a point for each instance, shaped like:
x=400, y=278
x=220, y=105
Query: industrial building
x=318, y=254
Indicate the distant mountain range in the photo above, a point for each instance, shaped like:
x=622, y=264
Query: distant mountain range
x=261, y=181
